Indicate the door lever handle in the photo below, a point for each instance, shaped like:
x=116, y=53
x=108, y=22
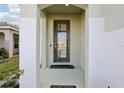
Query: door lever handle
x=50, y=45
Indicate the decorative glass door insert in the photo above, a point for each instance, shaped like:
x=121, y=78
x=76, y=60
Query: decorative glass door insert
x=61, y=41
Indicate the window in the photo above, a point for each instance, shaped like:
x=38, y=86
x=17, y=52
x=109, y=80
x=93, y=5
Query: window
x=16, y=41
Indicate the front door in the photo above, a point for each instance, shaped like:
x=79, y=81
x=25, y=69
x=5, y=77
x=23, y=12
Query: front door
x=61, y=41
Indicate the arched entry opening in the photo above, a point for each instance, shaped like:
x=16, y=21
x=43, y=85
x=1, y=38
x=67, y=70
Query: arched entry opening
x=75, y=48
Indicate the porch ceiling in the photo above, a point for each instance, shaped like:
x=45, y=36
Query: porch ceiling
x=61, y=8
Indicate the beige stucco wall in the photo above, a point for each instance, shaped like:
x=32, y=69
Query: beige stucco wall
x=113, y=15
x=75, y=37
x=83, y=40
x=7, y=41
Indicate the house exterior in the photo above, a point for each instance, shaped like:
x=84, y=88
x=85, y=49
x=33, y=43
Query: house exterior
x=9, y=38
x=87, y=36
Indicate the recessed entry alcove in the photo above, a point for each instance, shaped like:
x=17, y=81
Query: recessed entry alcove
x=62, y=44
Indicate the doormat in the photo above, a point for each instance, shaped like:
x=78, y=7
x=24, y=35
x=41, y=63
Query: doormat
x=62, y=86
x=61, y=67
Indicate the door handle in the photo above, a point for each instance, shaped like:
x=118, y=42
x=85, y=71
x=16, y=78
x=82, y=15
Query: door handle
x=50, y=45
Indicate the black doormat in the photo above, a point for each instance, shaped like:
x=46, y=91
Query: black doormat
x=62, y=86
x=61, y=67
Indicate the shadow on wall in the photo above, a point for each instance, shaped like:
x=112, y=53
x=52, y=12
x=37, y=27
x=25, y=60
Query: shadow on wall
x=114, y=15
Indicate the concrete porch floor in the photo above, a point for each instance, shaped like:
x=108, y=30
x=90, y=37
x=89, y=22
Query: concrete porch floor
x=62, y=77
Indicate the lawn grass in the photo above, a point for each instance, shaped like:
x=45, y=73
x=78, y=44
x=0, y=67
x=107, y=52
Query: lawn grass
x=9, y=67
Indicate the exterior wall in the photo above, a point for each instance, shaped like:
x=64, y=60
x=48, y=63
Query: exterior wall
x=5, y=43
x=29, y=61
x=106, y=59
x=7, y=36
x=75, y=37
x=8, y=42
x=94, y=68
x=38, y=49
x=114, y=45
x=11, y=43
x=43, y=42
x=104, y=46
x=83, y=40
x=114, y=20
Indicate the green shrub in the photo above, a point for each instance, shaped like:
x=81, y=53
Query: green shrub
x=9, y=67
x=3, y=53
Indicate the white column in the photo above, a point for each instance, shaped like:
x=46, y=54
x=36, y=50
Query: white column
x=87, y=84
x=38, y=47
x=28, y=46
x=96, y=75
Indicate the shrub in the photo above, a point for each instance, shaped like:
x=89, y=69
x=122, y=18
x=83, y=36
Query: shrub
x=3, y=53
x=9, y=67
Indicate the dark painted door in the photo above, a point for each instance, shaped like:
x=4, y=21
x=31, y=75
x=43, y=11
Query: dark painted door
x=61, y=41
